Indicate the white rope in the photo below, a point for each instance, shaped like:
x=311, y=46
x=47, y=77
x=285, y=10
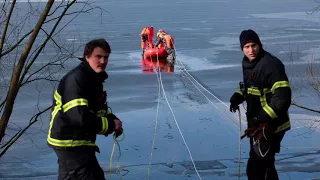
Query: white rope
x=240, y=145
x=156, y=121
x=185, y=71
x=233, y=123
x=184, y=141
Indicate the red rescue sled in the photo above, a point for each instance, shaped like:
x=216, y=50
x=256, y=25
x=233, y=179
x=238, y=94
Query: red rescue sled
x=153, y=53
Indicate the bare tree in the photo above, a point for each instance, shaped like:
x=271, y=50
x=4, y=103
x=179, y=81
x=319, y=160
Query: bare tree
x=313, y=80
x=312, y=72
x=22, y=44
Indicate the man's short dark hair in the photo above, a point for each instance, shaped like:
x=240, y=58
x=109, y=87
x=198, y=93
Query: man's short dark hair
x=88, y=49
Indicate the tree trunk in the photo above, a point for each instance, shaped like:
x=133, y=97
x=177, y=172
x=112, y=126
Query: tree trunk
x=14, y=83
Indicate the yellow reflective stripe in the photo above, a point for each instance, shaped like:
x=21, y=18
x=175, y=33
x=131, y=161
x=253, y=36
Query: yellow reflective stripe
x=103, y=112
x=105, y=125
x=57, y=97
x=283, y=127
x=74, y=103
x=69, y=143
x=57, y=108
x=254, y=91
x=266, y=90
x=279, y=84
x=239, y=91
x=267, y=108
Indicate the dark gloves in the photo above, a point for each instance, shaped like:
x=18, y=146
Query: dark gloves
x=235, y=100
x=263, y=117
x=256, y=121
x=234, y=107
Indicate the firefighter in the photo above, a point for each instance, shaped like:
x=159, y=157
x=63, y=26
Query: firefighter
x=146, y=35
x=80, y=112
x=163, y=38
x=266, y=90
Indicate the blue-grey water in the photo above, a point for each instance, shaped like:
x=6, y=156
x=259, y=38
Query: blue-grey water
x=200, y=129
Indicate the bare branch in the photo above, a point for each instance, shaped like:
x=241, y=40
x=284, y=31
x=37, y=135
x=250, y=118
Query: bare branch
x=36, y=79
x=6, y=26
x=37, y=71
x=16, y=45
x=77, y=12
x=315, y=9
x=14, y=86
x=303, y=107
x=60, y=5
x=3, y=5
x=47, y=21
x=45, y=42
x=33, y=120
x=2, y=104
x=12, y=138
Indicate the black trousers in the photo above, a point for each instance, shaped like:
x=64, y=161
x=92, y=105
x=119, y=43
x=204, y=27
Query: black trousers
x=79, y=165
x=263, y=168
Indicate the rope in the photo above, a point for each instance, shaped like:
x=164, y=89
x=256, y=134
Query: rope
x=116, y=142
x=233, y=123
x=156, y=120
x=185, y=71
x=184, y=141
x=240, y=146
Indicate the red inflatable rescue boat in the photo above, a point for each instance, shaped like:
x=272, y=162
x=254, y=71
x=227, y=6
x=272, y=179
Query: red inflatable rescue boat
x=149, y=65
x=153, y=53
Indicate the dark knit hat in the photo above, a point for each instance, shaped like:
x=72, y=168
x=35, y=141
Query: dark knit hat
x=247, y=36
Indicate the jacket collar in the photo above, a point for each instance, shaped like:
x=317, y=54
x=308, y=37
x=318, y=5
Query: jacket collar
x=90, y=72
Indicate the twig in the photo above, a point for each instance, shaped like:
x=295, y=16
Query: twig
x=303, y=107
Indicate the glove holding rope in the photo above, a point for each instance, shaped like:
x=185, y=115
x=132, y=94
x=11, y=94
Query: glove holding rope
x=235, y=100
x=118, y=133
x=234, y=107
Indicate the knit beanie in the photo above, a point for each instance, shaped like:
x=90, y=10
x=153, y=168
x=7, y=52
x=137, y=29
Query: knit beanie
x=248, y=36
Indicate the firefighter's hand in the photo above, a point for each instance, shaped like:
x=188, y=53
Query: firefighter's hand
x=235, y=100
x=257, y=121
x=117, y=125
x=234, y=107
x=118, y=133
x=262, y=117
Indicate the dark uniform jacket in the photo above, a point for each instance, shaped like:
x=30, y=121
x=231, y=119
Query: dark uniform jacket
x=80, y=111
x=266, y=91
